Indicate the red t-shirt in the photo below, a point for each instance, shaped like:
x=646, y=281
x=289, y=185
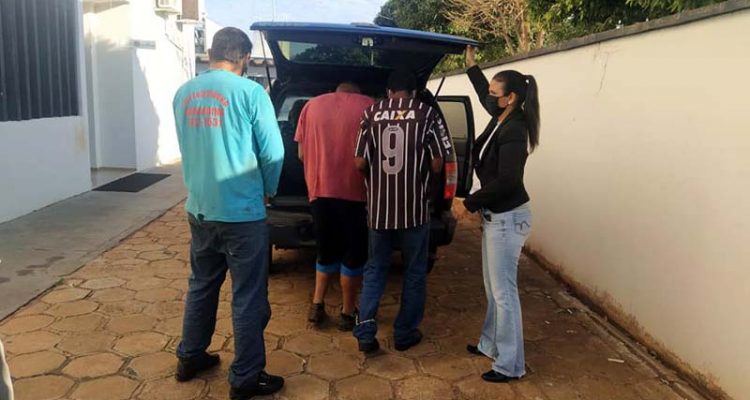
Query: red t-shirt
x=327, y=131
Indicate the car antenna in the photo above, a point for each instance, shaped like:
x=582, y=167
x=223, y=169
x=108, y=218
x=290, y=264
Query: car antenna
x=440, y=86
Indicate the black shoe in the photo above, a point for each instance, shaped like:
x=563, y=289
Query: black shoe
x=317, y=313
x=188, y=368
x=369, y=347
x=496, y=377
x=266, y=386
x=348, y=321
x=474, y=350
x=415, y=340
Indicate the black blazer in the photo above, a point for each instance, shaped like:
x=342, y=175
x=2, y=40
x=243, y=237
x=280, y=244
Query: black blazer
x=501, y=168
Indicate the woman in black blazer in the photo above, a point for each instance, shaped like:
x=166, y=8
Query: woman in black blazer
x=499, y=158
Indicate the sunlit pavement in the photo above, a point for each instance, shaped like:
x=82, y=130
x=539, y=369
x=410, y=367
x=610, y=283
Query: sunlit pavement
x=109, y=330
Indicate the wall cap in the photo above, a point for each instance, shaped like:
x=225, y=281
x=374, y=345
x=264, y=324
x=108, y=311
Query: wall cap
x=678, y=19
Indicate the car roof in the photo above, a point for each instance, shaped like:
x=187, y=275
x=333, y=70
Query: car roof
x=362, y=29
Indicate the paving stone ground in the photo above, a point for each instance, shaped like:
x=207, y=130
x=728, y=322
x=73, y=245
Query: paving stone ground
x=109, y=330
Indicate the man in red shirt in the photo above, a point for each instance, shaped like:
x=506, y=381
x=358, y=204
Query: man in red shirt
x=327, y=135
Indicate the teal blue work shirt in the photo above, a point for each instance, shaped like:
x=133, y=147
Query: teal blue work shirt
x=232, y=152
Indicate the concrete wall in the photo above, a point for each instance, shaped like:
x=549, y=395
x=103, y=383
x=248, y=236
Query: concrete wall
x=110, y=86
x=641, y=187
x=157, y=74
x=45, y=160
x=139, y=60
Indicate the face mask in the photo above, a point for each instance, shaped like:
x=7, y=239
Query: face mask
x=491, y=103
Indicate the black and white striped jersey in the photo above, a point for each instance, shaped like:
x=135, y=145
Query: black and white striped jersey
x=399, y=138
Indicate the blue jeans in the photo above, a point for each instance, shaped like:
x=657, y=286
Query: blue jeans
x=414, y=244
x=503, y=237
x=241, y=248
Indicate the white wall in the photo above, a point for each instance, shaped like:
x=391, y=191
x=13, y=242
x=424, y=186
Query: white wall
x=157, y=74
x=133, y=85
x=641, y=187
x=111, y=86
x=45, y=160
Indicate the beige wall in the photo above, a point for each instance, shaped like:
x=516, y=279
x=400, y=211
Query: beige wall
x=641, y=187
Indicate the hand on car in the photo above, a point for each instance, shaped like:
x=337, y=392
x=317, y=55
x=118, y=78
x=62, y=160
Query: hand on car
x=471, y=56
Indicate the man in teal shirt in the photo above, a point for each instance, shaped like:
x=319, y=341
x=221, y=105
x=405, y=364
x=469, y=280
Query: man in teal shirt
x=232, y=154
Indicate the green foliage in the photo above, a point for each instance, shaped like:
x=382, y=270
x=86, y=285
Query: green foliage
x=423, y=15
x=559, y=20
x=666, y=7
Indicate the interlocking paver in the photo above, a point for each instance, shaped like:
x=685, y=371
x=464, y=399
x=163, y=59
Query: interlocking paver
x=157, y=295
x=32, y=309
x=120, y=308
x=130, y=323
x=65, y=295
x=31, y=342
x=165, y=309
x=80, y=323
x=25, y=324
x=141, y=343
x=309, y=343
x=390, y=366
x=447, y=367
x=88, y=343
x=151, y=282
x=170, y=389
x=363, y=387
x=93, y=366
x=475, y=388
x=334, y=366
x=47, y=387
x=72, y=308
x=112, y=295
x=110, y=331
x=109, y=388
x=152, y=365
x=284, y=363
x=102, y=283
x=425, y=388
x=305, y=387
x=34, y=364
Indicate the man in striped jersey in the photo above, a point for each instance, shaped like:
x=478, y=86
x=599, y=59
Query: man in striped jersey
x=402, y=141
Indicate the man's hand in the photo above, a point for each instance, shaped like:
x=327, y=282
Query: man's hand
x=362, y=165
x=470, y=206
x=266, y=200
x=471, y=56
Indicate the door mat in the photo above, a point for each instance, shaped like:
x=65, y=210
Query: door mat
x=132, y=183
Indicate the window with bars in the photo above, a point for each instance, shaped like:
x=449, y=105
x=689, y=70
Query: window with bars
x=38, y=59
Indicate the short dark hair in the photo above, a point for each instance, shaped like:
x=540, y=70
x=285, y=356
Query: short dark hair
x=402, y=79
x=230, y=44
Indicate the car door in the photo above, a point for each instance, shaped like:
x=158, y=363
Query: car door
x=459, y=117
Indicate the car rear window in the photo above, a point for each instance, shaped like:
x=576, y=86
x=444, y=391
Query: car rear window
x=337, y=54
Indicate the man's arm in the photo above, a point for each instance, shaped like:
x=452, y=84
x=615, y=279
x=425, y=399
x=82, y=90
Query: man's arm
x=362, y=150
x=438, y=142
x=362, y=165
x=300, y=133
x=268, y=138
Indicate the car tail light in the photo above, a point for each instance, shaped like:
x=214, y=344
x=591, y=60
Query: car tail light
x=451, y=180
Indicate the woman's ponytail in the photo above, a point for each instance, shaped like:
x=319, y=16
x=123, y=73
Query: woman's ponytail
x=531, y=111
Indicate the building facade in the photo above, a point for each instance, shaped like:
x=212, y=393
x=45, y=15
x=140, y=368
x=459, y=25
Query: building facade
x=86, y=88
